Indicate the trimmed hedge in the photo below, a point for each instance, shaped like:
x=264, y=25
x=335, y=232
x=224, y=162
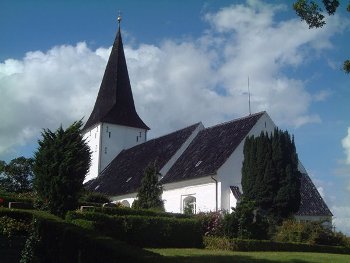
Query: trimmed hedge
x=236, y=244
x=54, y=240
x=141, y=230
x=124, y=211
x=7, y=198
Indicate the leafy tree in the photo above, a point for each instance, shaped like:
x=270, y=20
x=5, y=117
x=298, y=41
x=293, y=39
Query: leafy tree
x=149, y=195
x=17, y=176
x=313, y=15
x=270, y=175
x=61, y=163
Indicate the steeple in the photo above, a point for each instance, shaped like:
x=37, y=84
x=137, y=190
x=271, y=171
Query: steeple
x=115, y=103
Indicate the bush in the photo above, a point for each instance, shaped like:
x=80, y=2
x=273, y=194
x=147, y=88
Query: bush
x=93, y=197
x=309, y=232
x=143, y=231
x=13, y=227
x=266, y=245
x=122, y=211
x=211, y=222
x=54, y=240
x=6, y=198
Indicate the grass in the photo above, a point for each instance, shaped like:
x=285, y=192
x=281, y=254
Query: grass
x=221, y=256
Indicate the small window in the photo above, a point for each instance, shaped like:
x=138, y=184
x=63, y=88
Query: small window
x=137, y=138
x=140, y=134
x=128, y=179
x=107, y=129
x=109, y=134
x=105, y=149
x=197, y=164
x=189, y=205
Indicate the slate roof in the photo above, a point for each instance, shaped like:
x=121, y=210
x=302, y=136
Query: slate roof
x=123, y=175
x=115, y=103
x=210, y=149
x=312, y=204
x=236, y=192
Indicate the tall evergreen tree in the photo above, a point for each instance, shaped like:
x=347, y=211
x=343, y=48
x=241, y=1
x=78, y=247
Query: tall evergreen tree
x=270, y=175
x=60, y=166
x=149, y=195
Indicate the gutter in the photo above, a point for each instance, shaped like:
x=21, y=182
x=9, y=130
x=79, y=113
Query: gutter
x=216, y=193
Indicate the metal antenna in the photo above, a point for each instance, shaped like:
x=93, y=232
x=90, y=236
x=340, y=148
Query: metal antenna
x=250, y=111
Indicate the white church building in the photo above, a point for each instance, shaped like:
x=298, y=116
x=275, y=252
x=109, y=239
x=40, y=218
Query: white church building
x=198, y=165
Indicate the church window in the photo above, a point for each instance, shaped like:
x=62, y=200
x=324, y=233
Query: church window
x=189, y=205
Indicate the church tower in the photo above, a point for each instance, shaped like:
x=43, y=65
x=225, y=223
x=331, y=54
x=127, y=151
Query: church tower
x=114, y=124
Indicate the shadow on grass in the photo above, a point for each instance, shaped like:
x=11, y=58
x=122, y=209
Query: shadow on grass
x=156, y=258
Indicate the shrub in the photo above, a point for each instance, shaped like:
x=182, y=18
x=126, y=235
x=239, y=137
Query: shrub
x=309, y=232
x=13, y=227
x=121, y=211
x=143, y=231
x=54, y=240
x=266, y=245
x=93, y=197
x=211, y=223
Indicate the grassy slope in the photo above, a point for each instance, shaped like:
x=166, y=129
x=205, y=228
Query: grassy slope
x=204, y=256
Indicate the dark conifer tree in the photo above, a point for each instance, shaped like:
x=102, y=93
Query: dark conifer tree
x=61, y=163
x=270, y=175
x=149, y=195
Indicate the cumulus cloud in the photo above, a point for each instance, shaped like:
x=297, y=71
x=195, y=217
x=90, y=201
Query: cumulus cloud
x=175, y=83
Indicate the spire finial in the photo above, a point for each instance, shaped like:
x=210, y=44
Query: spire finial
x=119, y=18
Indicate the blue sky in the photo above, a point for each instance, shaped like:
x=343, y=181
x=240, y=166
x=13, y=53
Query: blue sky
x=188, y=61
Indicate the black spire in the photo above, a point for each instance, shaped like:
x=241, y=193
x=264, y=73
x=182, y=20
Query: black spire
x=115, y=103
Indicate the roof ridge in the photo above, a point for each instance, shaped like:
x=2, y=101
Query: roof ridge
x=156, y=138
x=235, y=120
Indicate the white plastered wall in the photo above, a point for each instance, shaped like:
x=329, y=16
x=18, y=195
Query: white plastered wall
x=106, y=141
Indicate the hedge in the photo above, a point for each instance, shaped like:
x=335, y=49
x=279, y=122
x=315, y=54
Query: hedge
x=28, y=202
x=236, y=244
x=54, y=240
x=144, y=231
x=123, y=211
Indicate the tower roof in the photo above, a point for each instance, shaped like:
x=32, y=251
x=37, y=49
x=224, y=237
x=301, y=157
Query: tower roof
x=115, y=103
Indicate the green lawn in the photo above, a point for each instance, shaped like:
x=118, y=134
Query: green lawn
x=220, y=256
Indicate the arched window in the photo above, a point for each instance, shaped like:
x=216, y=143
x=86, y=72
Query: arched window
x=125, y=203
x=189, y=205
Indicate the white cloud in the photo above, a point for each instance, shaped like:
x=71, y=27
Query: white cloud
x=346, y=145
x=342, y=218
x=175, y=83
